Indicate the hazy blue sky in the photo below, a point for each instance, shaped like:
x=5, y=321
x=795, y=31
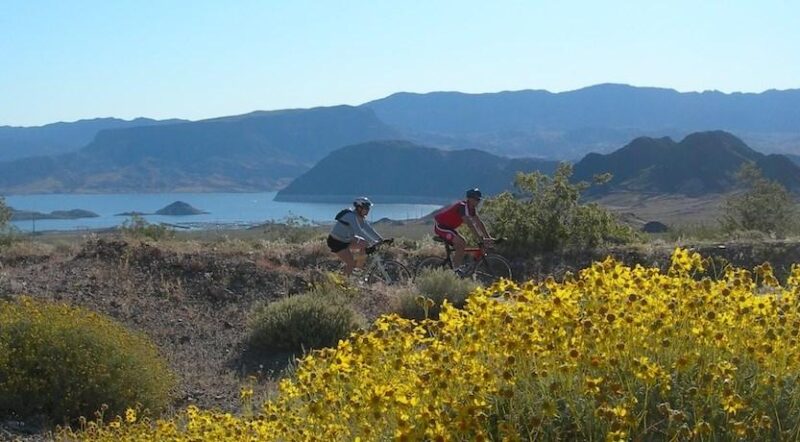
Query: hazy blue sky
x=68, y=60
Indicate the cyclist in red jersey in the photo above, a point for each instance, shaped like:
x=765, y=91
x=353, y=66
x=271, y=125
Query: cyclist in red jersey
x=450, y=218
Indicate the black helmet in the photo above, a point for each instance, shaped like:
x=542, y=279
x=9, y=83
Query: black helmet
x=474, y=193
x=362, y=201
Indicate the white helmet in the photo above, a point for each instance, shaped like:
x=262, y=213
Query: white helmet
x=362, y=201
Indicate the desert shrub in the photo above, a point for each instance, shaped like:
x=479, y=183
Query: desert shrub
x=62, y=362
x=764, y=205
x=292, y=229
x=314, y=319
x=138, y=227
x=698, y=231
x=308, y=254
x=409, y=304
x=435, y=285
x=9, y=236
x=5, y=213
x=546, y=215
x=7, y=233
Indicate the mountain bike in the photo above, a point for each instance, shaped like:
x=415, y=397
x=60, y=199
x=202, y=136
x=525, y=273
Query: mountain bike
x=376, y=268
x=481, y=265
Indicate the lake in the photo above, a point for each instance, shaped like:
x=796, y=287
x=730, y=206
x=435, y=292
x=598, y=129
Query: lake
x=226, y=210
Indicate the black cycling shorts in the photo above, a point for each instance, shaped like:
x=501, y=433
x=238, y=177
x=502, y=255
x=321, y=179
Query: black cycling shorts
x=335, y=245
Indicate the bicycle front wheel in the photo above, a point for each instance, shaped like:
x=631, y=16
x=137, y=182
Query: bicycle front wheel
x=491, y=268
x=389, y=272
x=429, y=263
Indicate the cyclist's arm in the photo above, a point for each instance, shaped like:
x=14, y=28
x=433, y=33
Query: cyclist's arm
x=373, y=233
x=363, y=229
x=482, y=227
x=472, y=222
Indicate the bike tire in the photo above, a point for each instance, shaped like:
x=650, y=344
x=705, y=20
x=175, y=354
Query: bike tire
x=492, y=268
x=396, y=273
x=430, y=262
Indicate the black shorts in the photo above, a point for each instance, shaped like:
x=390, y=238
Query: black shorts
x=335, y=245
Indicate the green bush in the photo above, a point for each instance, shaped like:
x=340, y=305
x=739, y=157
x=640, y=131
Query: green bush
x=315, y=319
x=9, y=236
x=764, y=206
x=5, y=213
x=292, y=229
x=546, y=215
x=7, y=231
x=64, y=362
x=138, y=227
x=436, y=285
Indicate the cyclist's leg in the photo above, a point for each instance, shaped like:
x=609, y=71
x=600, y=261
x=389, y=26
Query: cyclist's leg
x=342, y=250
x=358, y=252
x=458, y=242
x=349, y=262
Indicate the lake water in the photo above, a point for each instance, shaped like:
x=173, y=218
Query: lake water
x=226, y=210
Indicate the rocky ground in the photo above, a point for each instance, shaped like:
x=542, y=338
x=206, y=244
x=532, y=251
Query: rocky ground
x=193, y=301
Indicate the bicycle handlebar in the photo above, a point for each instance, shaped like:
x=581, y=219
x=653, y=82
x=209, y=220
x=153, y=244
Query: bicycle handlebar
x=373, y=248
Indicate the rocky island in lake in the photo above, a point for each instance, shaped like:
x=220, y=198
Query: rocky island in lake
x=27, y=215
x=179, y=208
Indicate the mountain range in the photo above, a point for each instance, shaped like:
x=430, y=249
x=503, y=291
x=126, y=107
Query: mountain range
x=58, y=138
x=404, y=172
x=401, y=171
x=253, y=152
x=568, y=125
x=701, y=163
x=267, y=150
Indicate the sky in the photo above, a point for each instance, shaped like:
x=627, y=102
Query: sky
x=78, y=59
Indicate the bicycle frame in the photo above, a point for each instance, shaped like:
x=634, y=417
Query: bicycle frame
x=477, y=253
x=387, y=270
x=484, y=265
x=374, y=261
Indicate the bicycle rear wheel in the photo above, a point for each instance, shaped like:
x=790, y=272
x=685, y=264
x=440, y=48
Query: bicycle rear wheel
x=491, y=268
x=429, y=263
x=392, y=272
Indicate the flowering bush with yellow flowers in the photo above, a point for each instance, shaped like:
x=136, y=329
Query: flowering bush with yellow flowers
x=63, y=362
x=613, y=353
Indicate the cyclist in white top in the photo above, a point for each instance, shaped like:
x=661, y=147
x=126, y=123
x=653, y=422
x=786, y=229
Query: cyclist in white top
x=352, y=233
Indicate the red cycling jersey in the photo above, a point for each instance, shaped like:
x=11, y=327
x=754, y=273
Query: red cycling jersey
x=453, y=216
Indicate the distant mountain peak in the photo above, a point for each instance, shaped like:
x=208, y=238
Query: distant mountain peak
x=703, y=162
x=713, y=136
x=401, y=171
x=619, y=87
